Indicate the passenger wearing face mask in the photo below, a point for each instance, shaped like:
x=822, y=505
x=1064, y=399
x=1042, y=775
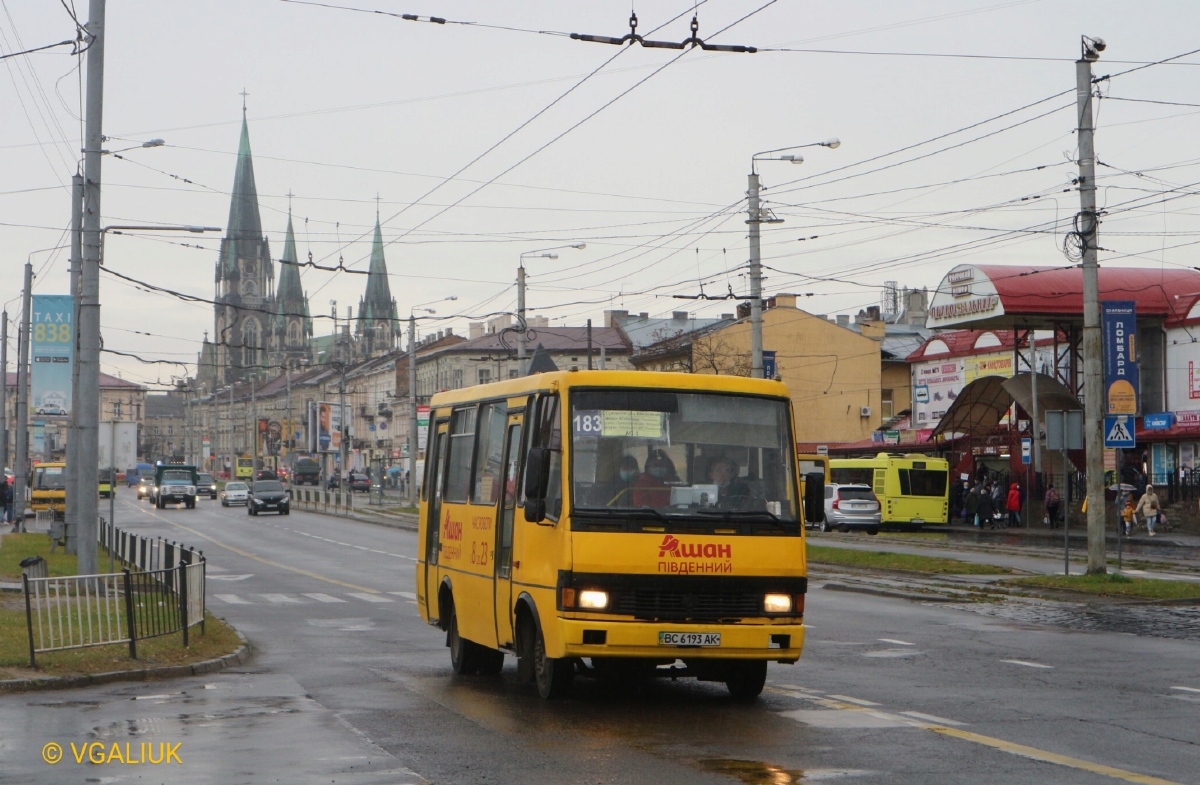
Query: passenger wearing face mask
x=619, y=491
x=651, y=487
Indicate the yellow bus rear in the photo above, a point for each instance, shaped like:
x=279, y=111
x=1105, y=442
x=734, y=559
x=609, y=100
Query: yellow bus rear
x=244, y=469
x=614, y=523
x=913, y=489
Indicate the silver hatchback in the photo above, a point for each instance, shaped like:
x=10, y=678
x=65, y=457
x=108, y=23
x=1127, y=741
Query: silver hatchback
x=851, y=507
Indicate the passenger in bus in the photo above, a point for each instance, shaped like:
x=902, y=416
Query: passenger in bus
x=651, y=487
x=618, y=492
x=733, y=492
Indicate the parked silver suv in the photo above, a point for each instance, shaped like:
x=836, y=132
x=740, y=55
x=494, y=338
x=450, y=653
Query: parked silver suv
x=851, y=507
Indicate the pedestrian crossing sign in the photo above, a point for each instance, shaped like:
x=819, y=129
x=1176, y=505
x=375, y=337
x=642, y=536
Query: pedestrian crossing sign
x=1118, y=432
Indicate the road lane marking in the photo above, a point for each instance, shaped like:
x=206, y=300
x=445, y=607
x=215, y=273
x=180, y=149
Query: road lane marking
x=370, y=597
x=405, y=594
x=1029, y=664
x=858, y=701
x=232, y=599
x=345, y=544
x=323, y=597
x=260, y=559
x=898, y=643
x=229, y=577
x=281, y=599
x=931, y=718
x=1033, y=753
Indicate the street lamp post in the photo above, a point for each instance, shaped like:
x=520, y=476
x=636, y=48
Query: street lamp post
x=756, y=215
x=412, y=393
x=522, y=338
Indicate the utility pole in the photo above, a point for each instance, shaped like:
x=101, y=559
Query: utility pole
x=1093, y=362
x=254, y=425
x=522, y=340
x=21, y=467
x=4, y=391
x=342, y=424
x=88, y=391
x=754, y=218
x=74, y=485
x=412, y=406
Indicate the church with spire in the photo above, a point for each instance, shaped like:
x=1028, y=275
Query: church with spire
x=377, y=327
x=263, y=325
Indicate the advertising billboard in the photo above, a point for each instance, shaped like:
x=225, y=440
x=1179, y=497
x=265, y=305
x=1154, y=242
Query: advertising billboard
x=325, y=426
x=51, y=354
x=1121, y=382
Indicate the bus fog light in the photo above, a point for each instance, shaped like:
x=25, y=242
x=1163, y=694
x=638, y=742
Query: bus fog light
x=777, y=603
x=593, y=600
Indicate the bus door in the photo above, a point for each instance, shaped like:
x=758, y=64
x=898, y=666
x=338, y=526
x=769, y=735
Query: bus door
x=435, y=457
x=504, y=530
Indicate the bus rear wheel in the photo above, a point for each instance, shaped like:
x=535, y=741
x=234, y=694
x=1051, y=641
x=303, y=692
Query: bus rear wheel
x=746, y=679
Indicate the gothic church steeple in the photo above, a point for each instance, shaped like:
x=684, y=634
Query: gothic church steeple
x=376, y=327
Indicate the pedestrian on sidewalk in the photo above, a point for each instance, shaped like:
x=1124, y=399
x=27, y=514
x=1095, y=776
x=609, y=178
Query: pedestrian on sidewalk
x=1148, y=507
x=1053, y=502
x=971, y=506
x=1014, y=505
x=985, y=509
x=1128, y=514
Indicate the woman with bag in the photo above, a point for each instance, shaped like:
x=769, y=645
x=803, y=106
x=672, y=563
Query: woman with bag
x=1053, y=502
x=1148, y=507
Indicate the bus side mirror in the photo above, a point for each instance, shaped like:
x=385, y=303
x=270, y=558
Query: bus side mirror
x=537, y=479
x=814, y=497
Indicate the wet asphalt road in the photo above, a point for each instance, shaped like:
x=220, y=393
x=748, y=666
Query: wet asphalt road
x=347, y=685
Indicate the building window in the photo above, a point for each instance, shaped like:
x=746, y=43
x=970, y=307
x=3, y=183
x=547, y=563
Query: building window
x=886, y=407
x=512, y=373
x=458, y=379
x=485, y=375
x=116, y=409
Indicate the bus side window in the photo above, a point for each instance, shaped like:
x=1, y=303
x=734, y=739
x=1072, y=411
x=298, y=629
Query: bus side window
x=488, y=448
x=547, y=433
x=458, y=462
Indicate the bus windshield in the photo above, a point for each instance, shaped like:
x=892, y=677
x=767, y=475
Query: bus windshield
x=682, y=454
x=49, y=478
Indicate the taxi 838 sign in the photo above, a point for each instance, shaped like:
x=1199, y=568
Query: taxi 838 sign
x=52, y=343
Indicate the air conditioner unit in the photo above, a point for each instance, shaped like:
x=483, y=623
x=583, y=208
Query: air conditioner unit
x=864, y=411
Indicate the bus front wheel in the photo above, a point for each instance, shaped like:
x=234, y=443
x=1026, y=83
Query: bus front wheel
x=553, y=676
x=464, y=657
x=746, y=679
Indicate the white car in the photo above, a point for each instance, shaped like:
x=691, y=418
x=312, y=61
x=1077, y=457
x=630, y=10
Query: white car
x=851, y=506
x=234, y=493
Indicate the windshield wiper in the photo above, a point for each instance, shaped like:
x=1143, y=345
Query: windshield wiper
x=729, y=515
x=620, y=512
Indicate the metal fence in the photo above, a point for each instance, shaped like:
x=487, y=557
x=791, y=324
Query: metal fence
x=331, y=502
x=81, y=611
x=144, y=553
x=161, y=591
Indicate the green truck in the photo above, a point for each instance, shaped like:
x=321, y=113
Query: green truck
x=174, y=483
x=306, y=470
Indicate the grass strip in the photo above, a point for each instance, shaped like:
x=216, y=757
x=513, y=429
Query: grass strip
x=16, y=547
x=901, y=561
x=1114, y=585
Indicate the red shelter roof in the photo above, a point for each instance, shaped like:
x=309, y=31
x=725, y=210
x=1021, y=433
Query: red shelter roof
x=979, y=296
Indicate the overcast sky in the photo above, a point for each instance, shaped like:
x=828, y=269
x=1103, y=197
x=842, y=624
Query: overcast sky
x=640, y=153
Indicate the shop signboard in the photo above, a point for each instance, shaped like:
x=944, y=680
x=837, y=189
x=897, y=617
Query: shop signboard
x=51, y=354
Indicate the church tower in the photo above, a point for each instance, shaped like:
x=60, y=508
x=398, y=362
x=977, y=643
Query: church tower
x=291, y=325
x=245, y=280
x=376, y=329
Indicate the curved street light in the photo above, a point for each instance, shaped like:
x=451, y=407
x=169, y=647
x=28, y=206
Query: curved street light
x=756, y=216
x=521, y=326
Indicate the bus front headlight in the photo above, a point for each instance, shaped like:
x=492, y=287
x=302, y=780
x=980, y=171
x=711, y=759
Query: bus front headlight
x=593, y=600
x=777, y=603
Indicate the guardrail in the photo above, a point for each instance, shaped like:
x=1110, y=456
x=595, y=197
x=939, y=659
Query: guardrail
x=329, y=502
x=144, y=553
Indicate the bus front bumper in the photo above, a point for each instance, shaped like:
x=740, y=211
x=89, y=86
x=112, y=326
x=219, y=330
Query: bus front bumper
x=607, y=638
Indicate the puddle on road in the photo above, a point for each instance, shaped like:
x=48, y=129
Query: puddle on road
x=752, y=772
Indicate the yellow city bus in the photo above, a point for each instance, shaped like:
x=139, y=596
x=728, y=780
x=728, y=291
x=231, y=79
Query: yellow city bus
x=244, y=468
x=913, y=489
x=48, y=487
x=618, y=524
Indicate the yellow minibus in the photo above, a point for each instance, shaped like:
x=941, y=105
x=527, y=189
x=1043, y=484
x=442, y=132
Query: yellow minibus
x=614, y=524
